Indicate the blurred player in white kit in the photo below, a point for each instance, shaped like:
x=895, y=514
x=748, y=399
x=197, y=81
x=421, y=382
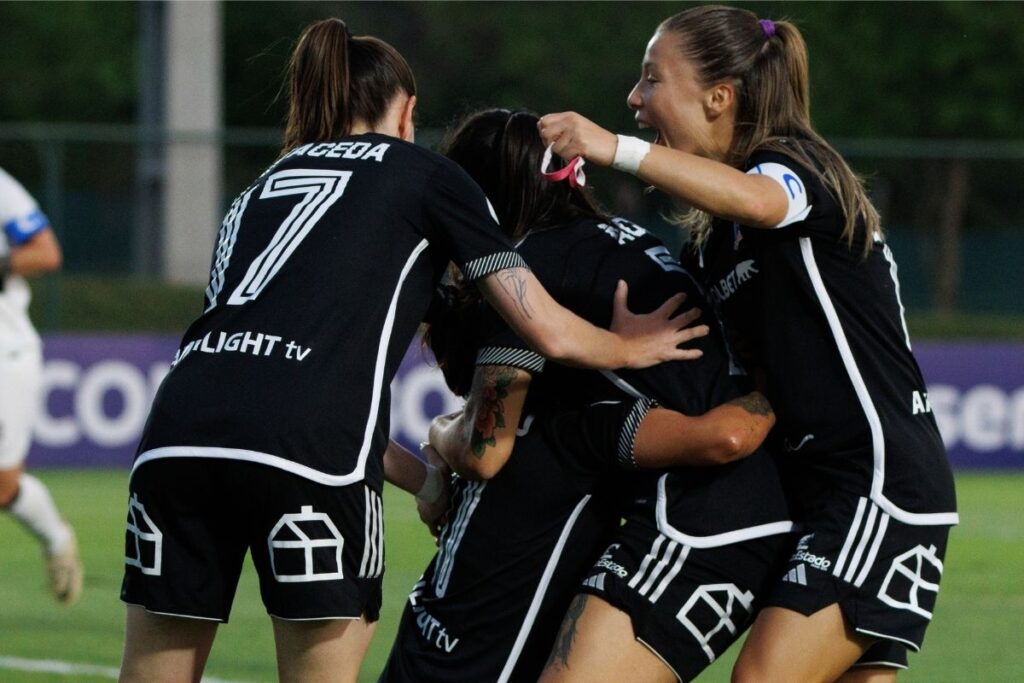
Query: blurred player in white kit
x=28, y=247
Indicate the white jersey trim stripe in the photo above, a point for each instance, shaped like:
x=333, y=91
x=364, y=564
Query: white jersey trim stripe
x=382, y=354
x=542, y=588
x=247, y=456
x=894, y=273
x=875, y=424
x=716, y=540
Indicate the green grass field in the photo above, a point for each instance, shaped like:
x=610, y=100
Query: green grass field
x=975, y=636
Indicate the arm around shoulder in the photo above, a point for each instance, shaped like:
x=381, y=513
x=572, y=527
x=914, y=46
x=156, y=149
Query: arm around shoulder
x=724, y=434
x=559, y=334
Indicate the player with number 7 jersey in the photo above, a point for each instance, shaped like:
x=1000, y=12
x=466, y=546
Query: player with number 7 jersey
x=270, y=431
x=323, y=270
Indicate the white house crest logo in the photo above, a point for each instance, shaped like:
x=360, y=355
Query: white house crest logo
x=305, y=547
x=144, y=543
x=915, y=570
x=711, y=609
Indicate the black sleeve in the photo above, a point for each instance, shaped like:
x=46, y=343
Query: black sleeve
x=463, y=223
x=601, y=434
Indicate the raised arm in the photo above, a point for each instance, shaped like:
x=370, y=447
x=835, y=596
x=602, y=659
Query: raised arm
x=717, y=188
x=477, y=442
x=557, y=333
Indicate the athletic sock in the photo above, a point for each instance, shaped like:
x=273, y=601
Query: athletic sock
x=33, y=506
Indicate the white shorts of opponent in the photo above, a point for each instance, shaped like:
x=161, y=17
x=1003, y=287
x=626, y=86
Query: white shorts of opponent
x=21, y=374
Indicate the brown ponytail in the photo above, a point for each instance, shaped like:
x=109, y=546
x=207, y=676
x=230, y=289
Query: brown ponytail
x=767, y=63
x=336, y=79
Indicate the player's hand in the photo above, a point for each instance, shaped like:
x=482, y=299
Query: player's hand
x=438, y=426
x=573, y=135
x=435, y=514
x=654, y=337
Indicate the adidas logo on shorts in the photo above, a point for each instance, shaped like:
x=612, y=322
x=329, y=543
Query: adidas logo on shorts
x=797, y=574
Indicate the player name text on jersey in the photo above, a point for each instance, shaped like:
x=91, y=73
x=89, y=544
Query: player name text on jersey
x=361, y=151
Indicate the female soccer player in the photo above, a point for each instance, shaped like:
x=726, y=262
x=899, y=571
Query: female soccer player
x=269, y=432
x=791, y=252
x=543, y=489
x=28, y=247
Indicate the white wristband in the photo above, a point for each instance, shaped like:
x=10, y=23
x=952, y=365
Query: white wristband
x=629, y=153
x=433, y=486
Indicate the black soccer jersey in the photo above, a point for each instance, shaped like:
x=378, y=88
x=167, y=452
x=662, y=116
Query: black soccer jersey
x=323, y=270
x=581, y=265
x=515, y=547
x=826, y=326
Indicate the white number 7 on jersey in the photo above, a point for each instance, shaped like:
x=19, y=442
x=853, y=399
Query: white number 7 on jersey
x=320, y=189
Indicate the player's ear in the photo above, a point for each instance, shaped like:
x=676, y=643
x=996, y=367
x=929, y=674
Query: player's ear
x=406, y=128
x=718, y=99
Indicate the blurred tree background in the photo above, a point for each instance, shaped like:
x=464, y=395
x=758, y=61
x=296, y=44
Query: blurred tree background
x=900, y=69
x=920, y=96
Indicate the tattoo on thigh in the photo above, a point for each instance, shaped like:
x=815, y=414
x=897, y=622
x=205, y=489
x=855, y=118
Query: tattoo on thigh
x=567, y=634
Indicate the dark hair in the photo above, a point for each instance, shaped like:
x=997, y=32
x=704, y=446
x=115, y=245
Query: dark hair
x=502, y=151
x=335, y=78
x=767, y=63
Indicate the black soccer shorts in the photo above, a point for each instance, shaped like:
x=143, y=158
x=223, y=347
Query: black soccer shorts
x=884, y=574
x=318, y=549
x=687, y=605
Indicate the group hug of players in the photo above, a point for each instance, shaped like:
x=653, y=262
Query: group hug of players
x=631, y=491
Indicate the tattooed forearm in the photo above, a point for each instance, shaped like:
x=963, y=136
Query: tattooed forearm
x=514, y=285
x=490, y=387
x=754, y=403
x=559, y=658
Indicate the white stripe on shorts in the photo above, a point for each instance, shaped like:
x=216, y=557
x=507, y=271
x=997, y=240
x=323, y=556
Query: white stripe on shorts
x=650, y=557
x=659, y=568
x=680, y=559
x=372, y=564
x=866, y=534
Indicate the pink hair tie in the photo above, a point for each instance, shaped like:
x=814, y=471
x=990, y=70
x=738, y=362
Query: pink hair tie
x=573, y=170
x=768, y=26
